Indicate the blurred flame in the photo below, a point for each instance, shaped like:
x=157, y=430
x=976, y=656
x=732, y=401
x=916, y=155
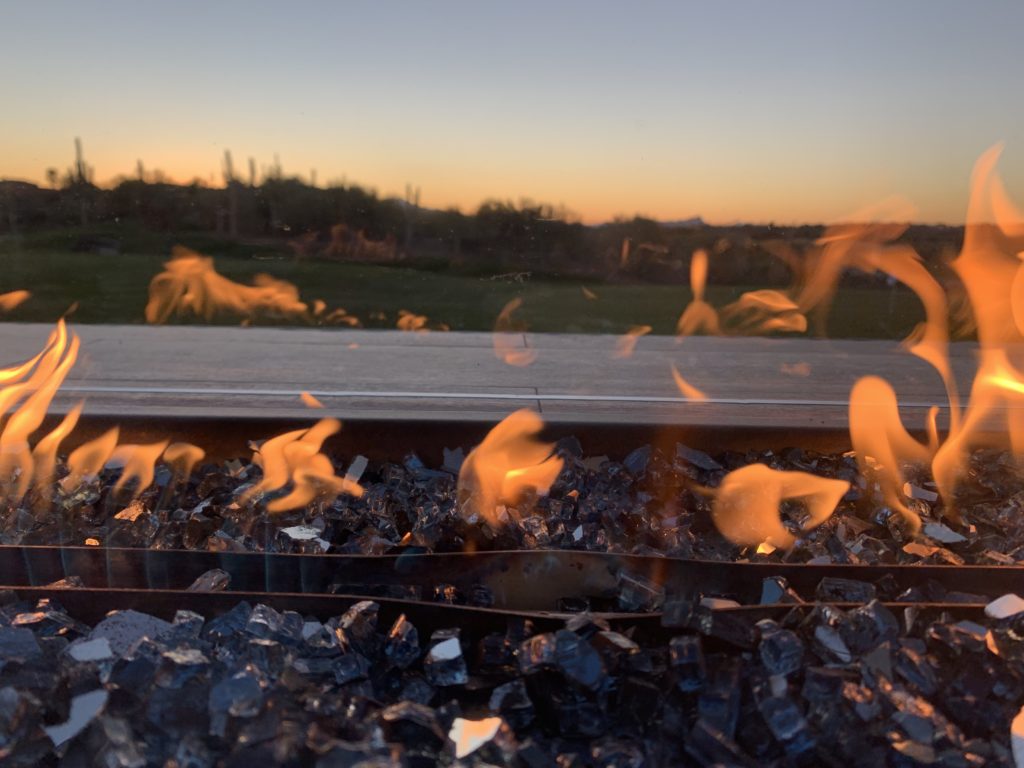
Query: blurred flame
x=626, y=344
x=990, y=267
x=882, y=444
x=746, y=504
x=37, y=382
x=309, y=401
x=688, y=390
x=699, y=316
x=409, y=321
x=588, y=294
x=12, y=299
x=506, y=335
x=139, y=464
x=865, y=242
x=764, y=311
x=88, y=459
x=44, y=455
x=182, y=458
x=189, y=285
x=26, y=393
x=295, y=457
x=508, y=461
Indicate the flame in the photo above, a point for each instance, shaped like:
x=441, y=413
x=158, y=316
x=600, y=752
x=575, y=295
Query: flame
x=309, y=401
x=506, y=333
x=689, y=391
x=699, y=316
x=183, y=457
x=626, y=343
x=12, y=299
x=44, y=455
x=295, y=457
x=508, y=461
x=139, y=464
x=746, y=504
x=881, y=442
x=409, y=321
x=37, y=382
x=990, y=267
x=89, y=458
x=189, y=285
x=865, y=243
x=764, y=311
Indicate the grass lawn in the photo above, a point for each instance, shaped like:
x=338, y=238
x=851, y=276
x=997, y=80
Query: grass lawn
x=113, y=289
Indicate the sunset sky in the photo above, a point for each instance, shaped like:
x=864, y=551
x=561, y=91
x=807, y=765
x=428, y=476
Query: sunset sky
x=750, y=111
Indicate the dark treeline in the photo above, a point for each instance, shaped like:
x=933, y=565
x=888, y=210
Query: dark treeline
x=349, y=222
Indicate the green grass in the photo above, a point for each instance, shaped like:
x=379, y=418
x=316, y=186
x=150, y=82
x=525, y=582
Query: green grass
x=113, y=289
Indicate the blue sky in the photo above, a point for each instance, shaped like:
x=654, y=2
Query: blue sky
x=793, y=111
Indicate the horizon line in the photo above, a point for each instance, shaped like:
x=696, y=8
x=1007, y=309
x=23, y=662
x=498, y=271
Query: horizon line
x=573, y=218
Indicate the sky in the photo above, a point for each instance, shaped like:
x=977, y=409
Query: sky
x=734, y=111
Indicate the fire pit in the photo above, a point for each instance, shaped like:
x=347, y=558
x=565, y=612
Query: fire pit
x=576, y=594
x=354, y=631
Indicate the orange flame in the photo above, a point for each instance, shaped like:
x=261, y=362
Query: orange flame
x=410, y=321
x=309, y=401
x=189, y=285
x=699, y=316
x=990, y=267
x=139, y=464
x=88, y=459
x=506, y=333
x=295, y=456
x=44, y=455
x=37, y=382
x=746, y=504
x=689, y=391
x=881, y=442
x=508, y=461
x=865, y=243
x=12, y=299
x=765, y=311
x=626, y=343
x=183, y=457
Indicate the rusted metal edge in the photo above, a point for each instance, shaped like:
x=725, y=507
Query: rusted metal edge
x=519, y=579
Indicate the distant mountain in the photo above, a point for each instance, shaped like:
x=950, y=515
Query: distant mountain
x=693, y=223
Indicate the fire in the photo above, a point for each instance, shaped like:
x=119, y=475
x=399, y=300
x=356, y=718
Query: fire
x=139, y=464
x=410, y=321
x=699, y=316
x=28, y=389
x=189, y=285
x=13, y=299
x=88, y=459
x=182, y=458
x=881, y=442
x=295, y=457
x=508, y=462
x=506, y=331
x=44, y=455
x=309, y=401
x=689, y=391
x=626, y=343
x=866, y=243
x=990, y=267
x=746, y=505
x=766, y=311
